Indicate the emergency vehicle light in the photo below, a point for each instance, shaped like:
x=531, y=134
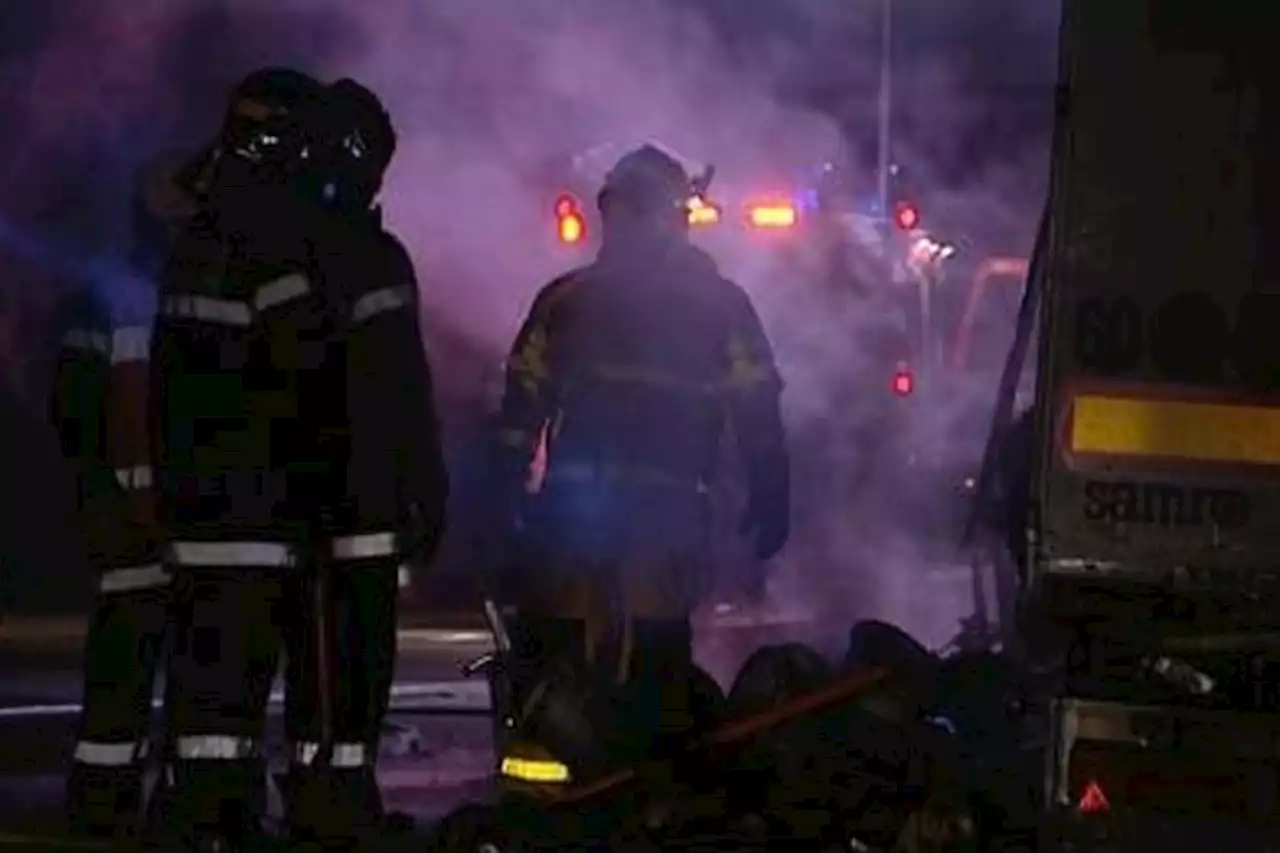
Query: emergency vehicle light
x=1200, y=431
x=772, y=216
x=906, y=216
x=572, y=228
x=702, y=212
x=904, y=382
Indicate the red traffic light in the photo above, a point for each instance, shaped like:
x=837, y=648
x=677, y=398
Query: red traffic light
x=906, y=216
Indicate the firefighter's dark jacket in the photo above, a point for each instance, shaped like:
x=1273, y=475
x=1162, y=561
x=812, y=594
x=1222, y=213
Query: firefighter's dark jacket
x=396, y=472
x=289, y=373
x=634, y=364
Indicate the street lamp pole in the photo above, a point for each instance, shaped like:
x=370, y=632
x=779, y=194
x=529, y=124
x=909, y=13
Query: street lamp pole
x=886, y=96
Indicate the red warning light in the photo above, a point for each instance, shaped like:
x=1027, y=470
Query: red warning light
x=1093, y=800
x=565, y=205
x=904, y=382
x=906, y=216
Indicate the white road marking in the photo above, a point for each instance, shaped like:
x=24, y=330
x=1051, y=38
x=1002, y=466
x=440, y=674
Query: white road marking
x=458, y=695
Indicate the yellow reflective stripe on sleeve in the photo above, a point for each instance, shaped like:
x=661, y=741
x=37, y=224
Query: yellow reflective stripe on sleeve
x=215, y=748
x=621, y=373
x=744, y=370
x=130, y=343
x=529, y=363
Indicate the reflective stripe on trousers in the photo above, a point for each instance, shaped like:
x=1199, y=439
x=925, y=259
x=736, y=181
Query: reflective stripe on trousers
x=97, y=753
x=215, y=748
x=346, y=756
x=137, y=477
x=370, y=546
x=365, y=546
x=224, y=554
x=134, y=578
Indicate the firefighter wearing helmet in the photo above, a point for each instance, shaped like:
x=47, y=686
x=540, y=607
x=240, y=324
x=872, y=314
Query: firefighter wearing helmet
x=384, y=441
x=623, y=375
x=101, y=413
x=241, y=323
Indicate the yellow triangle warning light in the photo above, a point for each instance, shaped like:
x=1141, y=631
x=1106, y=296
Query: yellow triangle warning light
x=1093, y=800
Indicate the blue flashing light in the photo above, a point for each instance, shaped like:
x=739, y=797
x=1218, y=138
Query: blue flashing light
x=808, y=200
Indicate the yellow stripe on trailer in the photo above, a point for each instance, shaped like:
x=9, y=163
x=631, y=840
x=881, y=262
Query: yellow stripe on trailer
x=1114, y=425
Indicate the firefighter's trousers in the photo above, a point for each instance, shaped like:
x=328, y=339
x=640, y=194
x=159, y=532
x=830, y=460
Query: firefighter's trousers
x=122, y=655
x=616, y=593
x=341, y=800
x=235, y=605
x=621, y=570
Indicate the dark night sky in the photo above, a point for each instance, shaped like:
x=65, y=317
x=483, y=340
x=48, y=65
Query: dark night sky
x=998, y=55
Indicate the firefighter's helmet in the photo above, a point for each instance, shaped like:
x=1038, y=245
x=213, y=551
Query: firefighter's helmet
x=357, y=142
x=261, y=127
x=648, y=179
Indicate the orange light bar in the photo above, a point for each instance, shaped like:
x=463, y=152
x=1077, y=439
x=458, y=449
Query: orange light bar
x=572, y=228
x=702, y=212
x=773, y=216
x=1116, y=425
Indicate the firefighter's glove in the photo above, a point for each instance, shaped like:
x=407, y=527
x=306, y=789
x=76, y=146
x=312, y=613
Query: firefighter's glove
x=767, y=527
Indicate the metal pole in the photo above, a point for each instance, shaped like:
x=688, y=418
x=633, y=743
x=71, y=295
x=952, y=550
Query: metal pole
x=886, y=114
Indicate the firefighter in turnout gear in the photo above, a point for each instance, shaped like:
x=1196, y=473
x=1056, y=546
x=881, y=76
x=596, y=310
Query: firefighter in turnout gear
x=391, y=511
x=101, y=411
x=240, y=323
x=622, y=378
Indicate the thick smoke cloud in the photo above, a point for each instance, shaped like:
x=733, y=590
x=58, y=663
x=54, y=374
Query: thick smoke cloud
x=487, y=93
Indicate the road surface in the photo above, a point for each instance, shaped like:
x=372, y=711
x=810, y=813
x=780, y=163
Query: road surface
x=443, y=759
x=437, y=752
